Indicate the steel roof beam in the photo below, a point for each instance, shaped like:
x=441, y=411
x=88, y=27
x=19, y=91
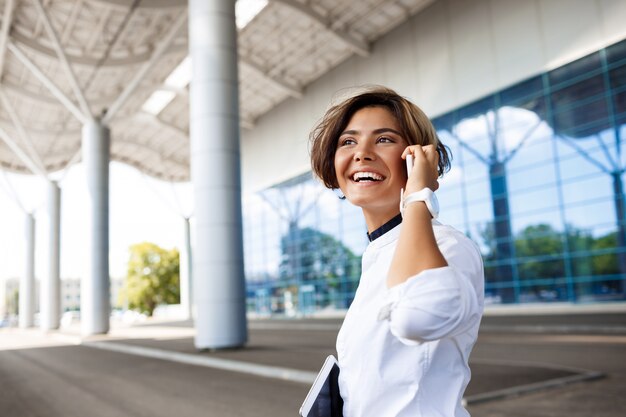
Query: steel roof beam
x=71, y=21
x=181, y=133
x=156, y=55
x=51, y=101
x=17, y=123
x=104, y=18
x=7, y=18
x=91, y=61
x=56, y=91
x=43, y=131
x=144, y=117
x=149, y=4
x=30, y=164
x=360, y=47
x=145, y=148
x=78, y=93
x=18, y=90
x=156, y=121
x=289, y=89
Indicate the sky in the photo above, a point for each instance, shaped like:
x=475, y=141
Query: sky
x=141, y=209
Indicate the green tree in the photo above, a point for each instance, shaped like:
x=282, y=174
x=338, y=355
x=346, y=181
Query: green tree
x=312, y=256
x=544, y=253
x=153, y=277
x=605, y=262
x=540, y=250
x=488, y=235
x=580, y=245
x=11, y=301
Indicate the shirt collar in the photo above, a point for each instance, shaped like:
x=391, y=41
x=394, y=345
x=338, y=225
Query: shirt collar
x=385, y=228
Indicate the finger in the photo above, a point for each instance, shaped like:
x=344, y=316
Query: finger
x=432, y=156
x=431, y=150
x=411, y=150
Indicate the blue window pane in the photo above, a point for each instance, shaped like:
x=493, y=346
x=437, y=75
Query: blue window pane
x=445, y=122
x=581, y=109
x=617, y=77
x=533, y=165
x=522, y=93
x=616, y=53
x=552, y=218
x=572, y=72
x=531, y=200
x=476, y=108
x=475, y=135
x=533, y=182
x=595, y=153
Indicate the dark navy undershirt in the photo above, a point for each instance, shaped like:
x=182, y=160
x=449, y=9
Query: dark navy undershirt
x=385, y=228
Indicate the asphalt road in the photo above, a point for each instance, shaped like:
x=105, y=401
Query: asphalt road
x=604, y=397
x=68, y=380
x=76, y=381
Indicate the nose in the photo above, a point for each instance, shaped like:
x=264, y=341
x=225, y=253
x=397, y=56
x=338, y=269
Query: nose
x=363, y=153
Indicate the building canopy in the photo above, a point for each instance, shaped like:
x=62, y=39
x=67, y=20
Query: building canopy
x=125, y=62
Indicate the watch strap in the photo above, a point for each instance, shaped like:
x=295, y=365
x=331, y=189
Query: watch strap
x=425, y=195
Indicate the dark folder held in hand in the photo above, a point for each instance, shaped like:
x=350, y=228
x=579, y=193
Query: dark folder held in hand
x=324, y=399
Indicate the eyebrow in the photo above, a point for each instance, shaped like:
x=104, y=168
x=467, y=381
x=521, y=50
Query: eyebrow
x=377, y=131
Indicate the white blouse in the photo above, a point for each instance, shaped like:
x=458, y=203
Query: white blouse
x=404, y=351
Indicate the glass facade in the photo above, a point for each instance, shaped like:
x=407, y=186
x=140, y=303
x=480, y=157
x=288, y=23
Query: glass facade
x=536, y=181
x=303, y=247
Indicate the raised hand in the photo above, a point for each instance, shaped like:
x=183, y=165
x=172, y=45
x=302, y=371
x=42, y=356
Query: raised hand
x=424, y=173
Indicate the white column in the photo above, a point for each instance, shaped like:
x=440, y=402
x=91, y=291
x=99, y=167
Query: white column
x=218, y=273
x=94, y=298
x=51, y=285
x=27, y=283
x=186, y=271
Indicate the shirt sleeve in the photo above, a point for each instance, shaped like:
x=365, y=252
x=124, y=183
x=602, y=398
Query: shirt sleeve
x=439, y=302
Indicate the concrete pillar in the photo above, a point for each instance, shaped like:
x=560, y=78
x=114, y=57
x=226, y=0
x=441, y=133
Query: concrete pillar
x=94, y=299
x=51, y=285
x=27, y=283
x=218, y=273
x=186, y=271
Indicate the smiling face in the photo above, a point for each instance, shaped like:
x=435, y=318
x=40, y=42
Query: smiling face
x=370, y=170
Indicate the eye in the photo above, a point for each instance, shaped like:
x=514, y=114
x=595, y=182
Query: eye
x=385, y=139
x=346, y=141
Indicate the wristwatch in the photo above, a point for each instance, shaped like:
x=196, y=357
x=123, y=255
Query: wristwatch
x=427, y=196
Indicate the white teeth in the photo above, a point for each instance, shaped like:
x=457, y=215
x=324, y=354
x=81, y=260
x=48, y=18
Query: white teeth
x=367, y=176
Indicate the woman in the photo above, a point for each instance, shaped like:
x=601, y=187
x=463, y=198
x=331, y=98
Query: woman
x=404, y=345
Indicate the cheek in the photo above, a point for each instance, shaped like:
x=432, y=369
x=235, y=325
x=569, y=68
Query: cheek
x=397, y=164
x=401, y=170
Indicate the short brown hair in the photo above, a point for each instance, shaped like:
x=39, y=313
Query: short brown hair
x=415, y=127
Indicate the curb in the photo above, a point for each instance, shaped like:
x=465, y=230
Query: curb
x=530, y=388
x=554, y=329
x=582, y=375
x=275, y=372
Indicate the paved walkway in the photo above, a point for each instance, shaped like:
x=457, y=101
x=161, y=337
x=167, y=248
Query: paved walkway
x=532, y=372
